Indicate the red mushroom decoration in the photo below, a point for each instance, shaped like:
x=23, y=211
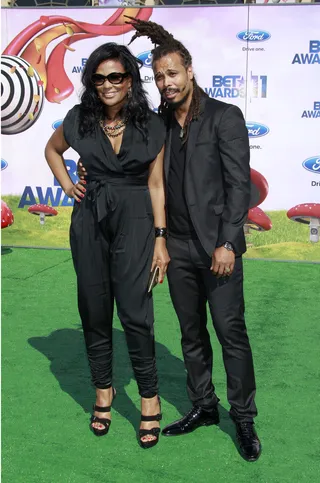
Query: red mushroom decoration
x=308, y=213
x=257, y=220
x=6, y=215
x=259, y=188
x=42, y=211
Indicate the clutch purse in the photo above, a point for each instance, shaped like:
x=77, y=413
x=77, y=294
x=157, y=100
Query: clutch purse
x=154, y=278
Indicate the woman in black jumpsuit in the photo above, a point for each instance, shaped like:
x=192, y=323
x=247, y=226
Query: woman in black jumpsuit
x=112, y=234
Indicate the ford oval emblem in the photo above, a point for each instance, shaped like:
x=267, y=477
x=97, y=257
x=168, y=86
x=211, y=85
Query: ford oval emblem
x=253, y=35
x=56, y=124
x=312, y=164
x=146, y=58
x=4, y=164
x=256, y=130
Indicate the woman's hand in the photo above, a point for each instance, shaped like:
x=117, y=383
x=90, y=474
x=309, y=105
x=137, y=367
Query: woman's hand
x=76, y=191
x=161, y=257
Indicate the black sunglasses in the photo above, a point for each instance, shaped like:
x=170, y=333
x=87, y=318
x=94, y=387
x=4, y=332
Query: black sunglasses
x=113, y=78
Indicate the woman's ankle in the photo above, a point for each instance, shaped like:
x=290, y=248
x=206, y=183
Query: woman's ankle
x=104, y=396
x=149, y=405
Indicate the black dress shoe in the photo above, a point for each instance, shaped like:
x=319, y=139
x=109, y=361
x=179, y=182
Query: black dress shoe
x=195, y=418
x=250, y=446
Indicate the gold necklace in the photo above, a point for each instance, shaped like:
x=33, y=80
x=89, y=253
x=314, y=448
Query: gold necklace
x=114, y=131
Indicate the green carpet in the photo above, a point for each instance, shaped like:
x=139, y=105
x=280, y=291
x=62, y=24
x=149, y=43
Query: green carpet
x=47, y=396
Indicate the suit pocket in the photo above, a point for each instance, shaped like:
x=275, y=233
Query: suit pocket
x=206, y=143
x=218, y=209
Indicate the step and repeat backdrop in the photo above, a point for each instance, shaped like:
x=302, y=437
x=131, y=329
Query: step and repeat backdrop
x=264, y=59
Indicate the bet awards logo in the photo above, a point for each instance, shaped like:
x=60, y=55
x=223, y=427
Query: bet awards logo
x=78, y=69
x=315, y=112
x=233, y=86
x=312, y=57
x=51, y=195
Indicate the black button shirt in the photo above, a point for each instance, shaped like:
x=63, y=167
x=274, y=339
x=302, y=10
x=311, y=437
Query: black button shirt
x=179, y=221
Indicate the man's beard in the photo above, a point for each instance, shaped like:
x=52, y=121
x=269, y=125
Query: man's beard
x=175, y=105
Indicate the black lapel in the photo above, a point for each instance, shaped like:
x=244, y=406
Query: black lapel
x=194, y=130
x=167, y=152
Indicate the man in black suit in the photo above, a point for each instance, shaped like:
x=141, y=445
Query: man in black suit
x=208, y=191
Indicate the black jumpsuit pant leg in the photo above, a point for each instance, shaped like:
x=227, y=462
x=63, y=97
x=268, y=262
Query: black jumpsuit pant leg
x=113, y=260
x=90, y=251
x=131, y=259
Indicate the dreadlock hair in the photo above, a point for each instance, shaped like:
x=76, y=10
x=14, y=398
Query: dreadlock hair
x=167, y=44
x=92, y=109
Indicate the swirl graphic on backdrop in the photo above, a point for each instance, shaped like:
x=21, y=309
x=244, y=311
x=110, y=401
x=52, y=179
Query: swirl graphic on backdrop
x=22, y=95
x=31, y=44
x=47, y=75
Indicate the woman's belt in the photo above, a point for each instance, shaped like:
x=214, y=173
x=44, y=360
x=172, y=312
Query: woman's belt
x=103, y=195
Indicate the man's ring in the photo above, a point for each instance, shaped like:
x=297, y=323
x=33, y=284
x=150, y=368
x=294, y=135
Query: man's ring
x=227, y=270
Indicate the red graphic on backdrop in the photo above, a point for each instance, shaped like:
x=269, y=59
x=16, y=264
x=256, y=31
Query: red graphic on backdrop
x=32, y=42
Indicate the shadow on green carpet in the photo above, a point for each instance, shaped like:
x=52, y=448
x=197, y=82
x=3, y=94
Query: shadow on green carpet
x=65, y=350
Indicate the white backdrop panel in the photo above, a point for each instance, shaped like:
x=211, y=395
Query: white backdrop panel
x=292, y=88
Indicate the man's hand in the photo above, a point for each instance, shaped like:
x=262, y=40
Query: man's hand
x=81, y=171
x=222, y=262
x=76, y=191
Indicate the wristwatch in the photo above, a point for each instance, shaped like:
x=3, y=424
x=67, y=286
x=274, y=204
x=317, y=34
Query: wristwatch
x=228, y=246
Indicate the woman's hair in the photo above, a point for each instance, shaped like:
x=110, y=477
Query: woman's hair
x=92, y=109
x=167, y=44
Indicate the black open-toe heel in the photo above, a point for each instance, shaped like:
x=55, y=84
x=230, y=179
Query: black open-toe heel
x=152, y=432
x=105, y=421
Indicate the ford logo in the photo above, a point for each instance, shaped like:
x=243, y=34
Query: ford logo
x=253, y=35
x=312, y=164
x=146, y=58
x=256, y=130
x=56, y=124
x=4, y=164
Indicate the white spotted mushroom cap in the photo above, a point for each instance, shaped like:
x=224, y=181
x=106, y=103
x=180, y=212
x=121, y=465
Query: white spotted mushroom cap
x=258, y=220
x=47, y=210
x=6, y=215
x=302, y=213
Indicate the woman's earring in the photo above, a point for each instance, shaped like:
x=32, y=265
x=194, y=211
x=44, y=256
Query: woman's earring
x=129, y=92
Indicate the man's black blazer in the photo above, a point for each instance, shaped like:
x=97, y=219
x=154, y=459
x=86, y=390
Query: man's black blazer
x=217, y=174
